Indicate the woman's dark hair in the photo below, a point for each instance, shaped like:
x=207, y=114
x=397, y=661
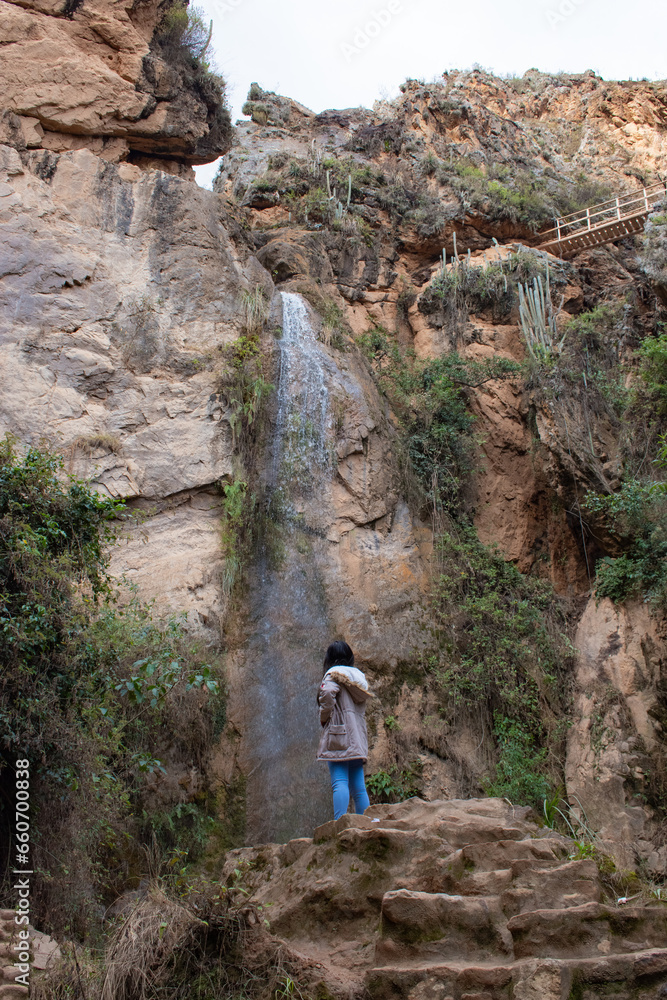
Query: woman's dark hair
x=338, y=654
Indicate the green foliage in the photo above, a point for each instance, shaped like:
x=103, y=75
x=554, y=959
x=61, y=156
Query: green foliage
x=184, y=828
x=242, y=381
x=154, y=677
x=520, y=771
x=469, y=286
x=653, y=371
x=498, y=192
x=394, y=784
x=581, y=192
x=255, y=315
x=334, y=325
x=500, y=645
x=335, y=329
x=538, y=319
x=593, y=372
x=429, y=399
x=637, y=516
x=589, y=365
x=236, y=532
x=519, y=196
x=183, y=40
x=87, y=684
x=499, y=651
x=185, y=26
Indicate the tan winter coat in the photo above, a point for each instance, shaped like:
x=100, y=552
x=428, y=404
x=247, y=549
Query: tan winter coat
x=342, y=699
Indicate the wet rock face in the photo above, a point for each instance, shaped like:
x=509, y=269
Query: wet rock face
x=349, y=564
x=87, y=75
x=458, y=898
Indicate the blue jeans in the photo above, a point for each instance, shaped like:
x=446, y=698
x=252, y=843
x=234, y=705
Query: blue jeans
x=347, y=778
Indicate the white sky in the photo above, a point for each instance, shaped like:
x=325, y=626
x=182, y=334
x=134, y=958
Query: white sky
x=352, y=52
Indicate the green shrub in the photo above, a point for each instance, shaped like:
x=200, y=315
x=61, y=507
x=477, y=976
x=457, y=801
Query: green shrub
x=429, y=400
x=185, y=27
x=636, y=516
x=590, y=368
x=518, y=196
x=89, y=685
x=428, y=165
x=182, y=39
x=520, y=772
x=579, y=193
x=242, y=383
x=653, y=371
x=472, y=287
x=394, y=784
x=499, y=652
x=501, y=647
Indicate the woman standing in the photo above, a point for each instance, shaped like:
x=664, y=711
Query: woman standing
x=344, y=743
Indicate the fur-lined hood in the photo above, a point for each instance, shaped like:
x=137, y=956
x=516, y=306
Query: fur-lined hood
x=353, y=679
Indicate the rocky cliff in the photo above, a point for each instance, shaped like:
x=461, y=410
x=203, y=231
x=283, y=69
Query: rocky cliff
x=111, y=78
x=126, y=290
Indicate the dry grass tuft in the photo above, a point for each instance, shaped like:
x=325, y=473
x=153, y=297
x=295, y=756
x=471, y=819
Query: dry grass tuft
x=141, y=952
x=210, y=943
x=97, y=442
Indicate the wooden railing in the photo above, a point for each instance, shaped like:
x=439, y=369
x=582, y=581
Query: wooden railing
x=600, y=217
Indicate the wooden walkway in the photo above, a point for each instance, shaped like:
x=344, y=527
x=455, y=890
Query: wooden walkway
x=603, y=223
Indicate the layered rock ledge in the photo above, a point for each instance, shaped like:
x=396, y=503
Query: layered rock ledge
x=93, y=74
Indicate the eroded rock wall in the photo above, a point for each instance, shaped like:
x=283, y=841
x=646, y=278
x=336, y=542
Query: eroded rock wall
x=620, y=679
x=87, y=75
x=119, y=287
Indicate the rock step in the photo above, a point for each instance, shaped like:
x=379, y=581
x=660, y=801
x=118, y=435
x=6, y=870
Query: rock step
x=436, y=925
x=12, y=991
x=527, y=885
x=492, y=855
x=590, y=929
x=457, y=822
x=428, y=926
x=568, y=885
x=643, y=974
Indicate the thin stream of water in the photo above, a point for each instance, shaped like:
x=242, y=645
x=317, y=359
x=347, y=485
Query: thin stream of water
x=288, y=792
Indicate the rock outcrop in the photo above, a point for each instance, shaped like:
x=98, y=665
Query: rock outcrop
x=115, y=301
x=456, y=899
x=619, y=685
x=93, y=75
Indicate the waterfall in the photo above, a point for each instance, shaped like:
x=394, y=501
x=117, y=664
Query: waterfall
x=288, y=792
x=303, y=421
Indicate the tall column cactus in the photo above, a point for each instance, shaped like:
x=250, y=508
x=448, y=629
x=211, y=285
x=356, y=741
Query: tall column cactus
x=538, y=318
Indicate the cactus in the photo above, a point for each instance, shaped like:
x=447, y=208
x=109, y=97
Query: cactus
x=538, y=319
x=315, y=158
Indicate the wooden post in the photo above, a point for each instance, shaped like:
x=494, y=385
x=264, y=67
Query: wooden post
x=618, y=208
x=588, y=217
x=645, y=199
x=558, y=228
